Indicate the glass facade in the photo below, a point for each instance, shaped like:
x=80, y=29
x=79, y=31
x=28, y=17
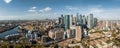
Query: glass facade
x=67, y=21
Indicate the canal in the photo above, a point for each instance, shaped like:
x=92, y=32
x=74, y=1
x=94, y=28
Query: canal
x=12, y=31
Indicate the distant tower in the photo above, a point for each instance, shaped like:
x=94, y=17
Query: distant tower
x=90, y=21
x=62, y=19
x=59, y=20
x=84, y=19
x=95, y=21
x=71, y=20
x=79, y=18
x=74, y=20
x=106, y=24
x=111, y=25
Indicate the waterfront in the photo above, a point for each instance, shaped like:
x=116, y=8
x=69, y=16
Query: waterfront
x=12, y=31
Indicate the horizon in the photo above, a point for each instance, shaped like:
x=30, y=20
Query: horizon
x=52, y=9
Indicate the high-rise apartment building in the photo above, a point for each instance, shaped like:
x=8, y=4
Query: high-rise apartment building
x=78, y=35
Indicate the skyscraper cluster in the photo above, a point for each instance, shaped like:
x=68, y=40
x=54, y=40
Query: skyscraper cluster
x=77, y=25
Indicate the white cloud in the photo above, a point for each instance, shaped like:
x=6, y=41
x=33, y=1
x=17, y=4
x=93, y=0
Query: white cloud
x=95, y=10
x=7, y=1
x=71, y=8
x=33, y=9
x=47, y=9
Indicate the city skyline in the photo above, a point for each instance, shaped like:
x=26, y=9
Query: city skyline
x=51, y=9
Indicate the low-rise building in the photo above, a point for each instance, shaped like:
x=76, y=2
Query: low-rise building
x=56, y=34
x=70, y=33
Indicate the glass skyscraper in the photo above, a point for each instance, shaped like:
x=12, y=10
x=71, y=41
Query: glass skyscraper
x=90, y=21
x=67, y=22
x=79, y=19
x=84, y=19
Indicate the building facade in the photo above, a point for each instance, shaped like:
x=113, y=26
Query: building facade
x=67, y=22
x=90, y=21
x=78, y=35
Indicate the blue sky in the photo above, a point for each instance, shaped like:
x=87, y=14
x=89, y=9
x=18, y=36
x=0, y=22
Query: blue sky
x=42, y=9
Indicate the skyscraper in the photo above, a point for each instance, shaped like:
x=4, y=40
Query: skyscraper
x=111, y=25
x=61, y=19
x=71, y=20
x=84, y=20
x=79, y=18
x=74, y=20
x=95, y=21
x=90, y=21
x=67, y=22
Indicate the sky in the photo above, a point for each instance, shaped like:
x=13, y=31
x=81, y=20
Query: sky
x=52, y=9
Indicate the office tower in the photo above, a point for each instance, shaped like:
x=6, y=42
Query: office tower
x=95, y=21
x=67, y=22
x=79, y=18
x=74, y=20
x=90, y=21
x=61, y=20
x=84, y=20
x=78, y=35
x=71, y=20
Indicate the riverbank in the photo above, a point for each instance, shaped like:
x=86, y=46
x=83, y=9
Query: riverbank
x=9, y=32
x=4, y=29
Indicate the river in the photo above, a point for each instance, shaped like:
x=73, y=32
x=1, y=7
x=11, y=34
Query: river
x=12, y=31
